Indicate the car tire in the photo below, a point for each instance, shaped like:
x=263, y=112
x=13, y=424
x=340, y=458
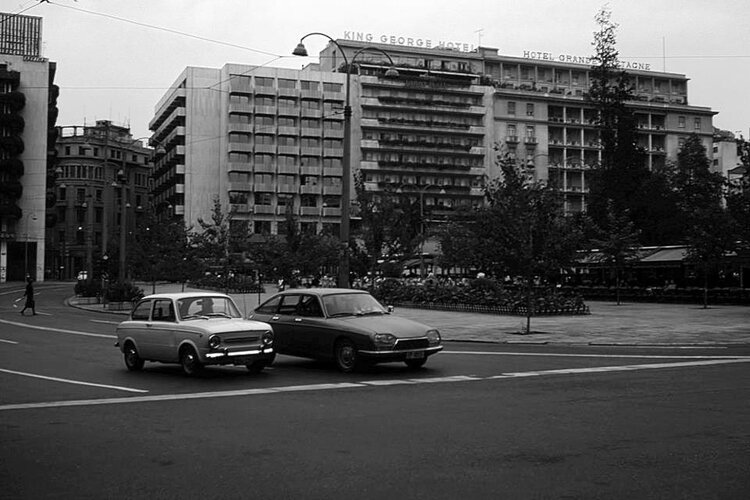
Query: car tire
x=345, y=356
x=416, y=363
x=189, y=361
x=133, y=361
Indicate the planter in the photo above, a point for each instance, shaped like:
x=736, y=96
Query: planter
x=119, y=306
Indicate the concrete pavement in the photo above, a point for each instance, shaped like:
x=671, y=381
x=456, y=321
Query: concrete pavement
x=608, y=323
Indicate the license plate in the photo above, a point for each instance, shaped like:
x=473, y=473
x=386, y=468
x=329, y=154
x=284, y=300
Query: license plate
x=415, y=355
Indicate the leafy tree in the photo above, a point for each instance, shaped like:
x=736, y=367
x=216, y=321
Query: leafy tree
x=618, y=244
x=214, y=240
x=622, y=173
x=738, y=196
x=163, y=250
x=709, y=228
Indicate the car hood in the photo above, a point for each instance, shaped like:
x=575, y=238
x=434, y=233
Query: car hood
x=400, y=327
x=225, y=325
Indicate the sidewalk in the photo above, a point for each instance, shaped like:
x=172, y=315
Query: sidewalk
x=608, y=323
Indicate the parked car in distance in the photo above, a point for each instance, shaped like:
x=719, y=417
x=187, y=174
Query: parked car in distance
x=347, y=326
x=194, y=330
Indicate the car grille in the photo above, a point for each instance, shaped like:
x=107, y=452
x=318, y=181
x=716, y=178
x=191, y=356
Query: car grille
x=244, y=339
x=407, y=344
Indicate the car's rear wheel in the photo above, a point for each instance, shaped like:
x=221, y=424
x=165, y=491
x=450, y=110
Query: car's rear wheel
x=416, y=363
x=189, y=361
x=133, y=361
x=345, y=355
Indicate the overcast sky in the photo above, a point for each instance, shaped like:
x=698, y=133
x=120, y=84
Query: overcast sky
x=115, y=59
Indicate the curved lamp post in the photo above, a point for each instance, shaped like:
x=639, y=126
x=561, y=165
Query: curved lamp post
x=300, y=50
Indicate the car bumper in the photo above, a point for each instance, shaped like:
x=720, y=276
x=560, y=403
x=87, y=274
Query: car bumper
x=401, y=355
x=242, y=357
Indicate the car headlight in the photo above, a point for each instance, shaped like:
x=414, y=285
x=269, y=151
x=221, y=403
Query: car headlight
x=385, y=340
x=433, y=337
x=214, y=341
x=267, y=338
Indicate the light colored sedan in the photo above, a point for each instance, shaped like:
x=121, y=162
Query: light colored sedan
x=347, y=326
x=194, y=330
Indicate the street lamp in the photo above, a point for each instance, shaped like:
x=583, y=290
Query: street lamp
x=300, y=50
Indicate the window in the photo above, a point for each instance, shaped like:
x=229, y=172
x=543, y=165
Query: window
x=310, y=161
x=332, y=87
x=310, y=142
x=262, y=81
x=141, y=311
x=287, y=140
x=511, y=108
x=287, y=122
x=164, y=310
x=308, y=104
x=285, y=83
x=310, y=123
x=263, y=179
x=697, y=124
x=308, y=85
x=530, y=109
x=530, y=131
x=263, y=199
x=680, y=122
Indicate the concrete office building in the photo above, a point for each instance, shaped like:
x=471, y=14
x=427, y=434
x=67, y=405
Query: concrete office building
x=28, y=111
x=268, y=141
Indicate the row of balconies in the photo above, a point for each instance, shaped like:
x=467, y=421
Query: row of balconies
x=287, y=187
x=511, y=139
x=422, y=105
x=261, y=168
x=243, y=147
x=243, y=87
x=248, y=208
x=427, y=165
x=287, y=131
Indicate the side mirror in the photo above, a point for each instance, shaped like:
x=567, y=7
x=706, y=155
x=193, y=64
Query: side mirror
x=390, y=309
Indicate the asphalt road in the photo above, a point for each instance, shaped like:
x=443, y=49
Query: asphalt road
x=479, y=421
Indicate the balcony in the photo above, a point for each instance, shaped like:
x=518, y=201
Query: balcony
x=311, y=150
x=311, y=113
x=287, y=169
x=314, y=95
x=265, y=110
x=333, y=171
x=333, y=152
x=309, y=211
x=511, y=138
x=331, y=212
x=239, y=186
x=310, y=132
x=240, y=127
x=293, y=131
x=237, y=166
x=265, y=148
x=332, y=190
x=288, y=111
x=289, y=150
x=264, y=168
x=288, y=92
x=263, y=209
x=240, y=208
x=241, y=107
x=264, y=187
x=333, y=134
x=530, y=140
x=240, y=147
x=310, y=189
x=287, y=188
x=304, y=170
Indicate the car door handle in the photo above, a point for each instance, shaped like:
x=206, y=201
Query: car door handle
x=275, y=317
x=298, y=320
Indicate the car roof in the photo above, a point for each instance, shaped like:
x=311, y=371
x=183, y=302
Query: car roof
x=184, y=295
x=320, y=292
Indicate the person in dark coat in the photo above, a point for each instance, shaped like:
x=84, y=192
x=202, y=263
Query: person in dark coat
x=29, y=294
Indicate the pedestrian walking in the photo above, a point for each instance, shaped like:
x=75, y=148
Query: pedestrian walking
x=29, y=294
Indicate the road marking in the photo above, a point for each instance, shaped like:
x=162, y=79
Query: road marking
x=8, y=341
x=105, y=322
x=361, y=384
x=59, y=330
x=70, y=381
x=569, y=355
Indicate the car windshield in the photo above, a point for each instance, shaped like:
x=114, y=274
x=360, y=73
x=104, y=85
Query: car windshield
x=352, y=304
x=207, y=307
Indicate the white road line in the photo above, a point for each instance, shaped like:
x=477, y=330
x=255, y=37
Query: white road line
x=59, y=330
x=69, y=381
x=568, y=355
x=362, y=384
x=105, y=322
x=8, y=341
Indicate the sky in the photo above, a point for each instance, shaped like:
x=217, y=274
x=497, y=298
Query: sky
x=116, y=59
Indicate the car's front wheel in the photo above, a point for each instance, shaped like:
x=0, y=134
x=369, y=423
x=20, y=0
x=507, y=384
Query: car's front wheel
x=346, y=356
x=133, y=361
x=189, y=361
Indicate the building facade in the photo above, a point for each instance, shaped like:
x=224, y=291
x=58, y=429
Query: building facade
x=28, y=111
x=101, y=188
x=268, y=141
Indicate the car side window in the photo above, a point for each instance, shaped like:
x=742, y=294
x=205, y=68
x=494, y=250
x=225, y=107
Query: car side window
x=309, y=307
x=289, y=304
x=270, y=307
x=141, y=311
x=164, y=310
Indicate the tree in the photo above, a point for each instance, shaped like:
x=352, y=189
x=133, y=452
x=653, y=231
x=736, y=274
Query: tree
x=622, y=173
x=214, y=239
x=709, y=229
x=618, y=244
x=738, y=196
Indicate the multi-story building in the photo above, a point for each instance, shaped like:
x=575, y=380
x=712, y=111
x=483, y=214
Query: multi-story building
x=269, y=141
x=28, y=110
x=102, y=187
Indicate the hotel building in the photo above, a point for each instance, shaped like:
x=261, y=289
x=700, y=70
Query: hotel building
x=269, y=141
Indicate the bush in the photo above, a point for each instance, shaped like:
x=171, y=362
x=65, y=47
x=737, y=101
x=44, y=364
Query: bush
x=122, y=292
x=93, y=289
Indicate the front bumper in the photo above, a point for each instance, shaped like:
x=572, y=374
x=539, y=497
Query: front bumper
x=398, y=355
x=243, y=357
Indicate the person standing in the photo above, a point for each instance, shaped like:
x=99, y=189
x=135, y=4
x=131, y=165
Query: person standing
x=29, y=294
